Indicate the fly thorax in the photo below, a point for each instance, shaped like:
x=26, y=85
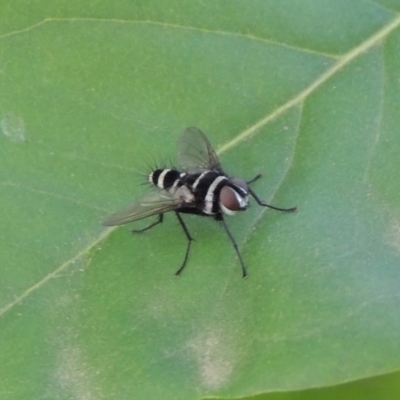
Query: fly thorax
x=234, y=196
x=184, y=193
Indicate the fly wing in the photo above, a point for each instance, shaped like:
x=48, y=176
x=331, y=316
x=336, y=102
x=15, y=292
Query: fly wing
x=151, y=204
x=195, y=153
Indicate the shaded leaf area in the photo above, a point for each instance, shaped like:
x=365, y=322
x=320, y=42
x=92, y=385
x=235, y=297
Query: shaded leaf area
x=384, y=387
x=89, y=313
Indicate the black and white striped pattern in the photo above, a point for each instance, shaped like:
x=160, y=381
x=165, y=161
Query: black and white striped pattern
x=165, y=178
x=205, y=186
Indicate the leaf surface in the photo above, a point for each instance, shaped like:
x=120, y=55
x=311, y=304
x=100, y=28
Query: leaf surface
x=306, y=93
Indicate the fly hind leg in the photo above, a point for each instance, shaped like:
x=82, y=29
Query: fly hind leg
x=159, y=221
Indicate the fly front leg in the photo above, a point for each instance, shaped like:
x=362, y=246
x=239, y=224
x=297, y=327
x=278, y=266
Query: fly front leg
x=190, y=240
x=261, y=203
x=254, y=179
x=159, y=221
x=235, y=246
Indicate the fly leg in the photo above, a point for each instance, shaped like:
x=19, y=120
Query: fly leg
x=189, y=238
x=261, y=203
x=159, y=221
x=235, y=246
x=254, y=179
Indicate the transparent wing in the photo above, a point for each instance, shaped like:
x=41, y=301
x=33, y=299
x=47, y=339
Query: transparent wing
x=195, y=153
x=151, y=204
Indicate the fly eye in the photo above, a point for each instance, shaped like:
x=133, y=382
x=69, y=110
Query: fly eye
x=240, y=183
x=231, y=201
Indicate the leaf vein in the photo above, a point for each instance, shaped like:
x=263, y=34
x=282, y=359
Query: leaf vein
x=54, y=273
x=51, y=194
x=302, y=96
x=168, y=25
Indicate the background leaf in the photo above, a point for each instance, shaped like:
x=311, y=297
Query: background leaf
x=306, y=93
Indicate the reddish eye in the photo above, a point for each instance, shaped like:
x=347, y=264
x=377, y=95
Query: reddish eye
x=228, y=198
x=231, y=200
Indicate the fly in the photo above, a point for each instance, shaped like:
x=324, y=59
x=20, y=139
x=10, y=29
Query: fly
x=201, y=188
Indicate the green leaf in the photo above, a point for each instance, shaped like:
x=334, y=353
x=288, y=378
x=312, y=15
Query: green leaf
x=384, y=387
x=306, y=93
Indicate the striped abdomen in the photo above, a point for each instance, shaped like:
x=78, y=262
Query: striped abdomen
x=166, y=178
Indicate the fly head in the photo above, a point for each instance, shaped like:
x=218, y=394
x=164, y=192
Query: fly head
x=234, y=196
